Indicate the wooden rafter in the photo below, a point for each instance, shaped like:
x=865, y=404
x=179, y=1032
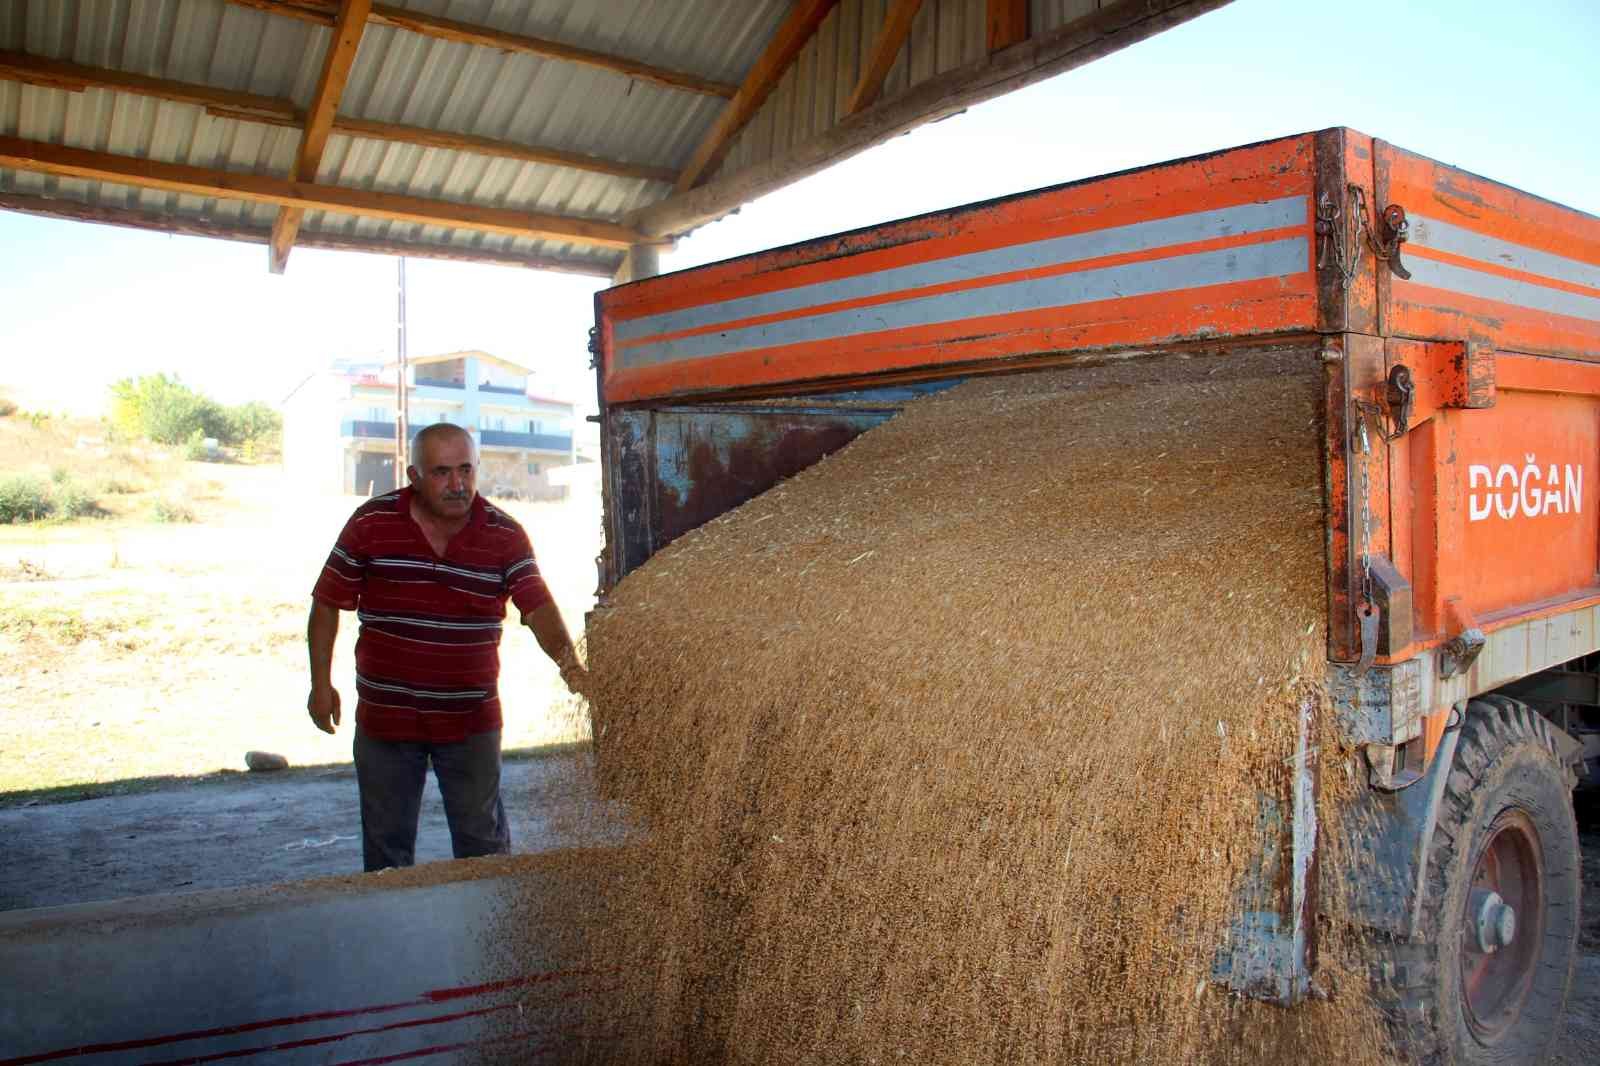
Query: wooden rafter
x=336, y=65
x=797, y=29
x=1007, y=23
x=896, y=28
x=1095, y=34
x=56, y=159
x=281, y=111
x=120, y=216
x=321, y=12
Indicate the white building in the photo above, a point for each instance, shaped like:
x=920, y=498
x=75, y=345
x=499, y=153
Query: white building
x=338, y=424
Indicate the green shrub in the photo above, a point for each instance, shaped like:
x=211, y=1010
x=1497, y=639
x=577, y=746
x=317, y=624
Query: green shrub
x=171, y=511
x=117, y=487
x=25, y=499
x=73, y=500
x=7, y=408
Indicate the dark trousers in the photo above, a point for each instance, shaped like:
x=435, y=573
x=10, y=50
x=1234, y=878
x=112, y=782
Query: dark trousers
x=391, y=775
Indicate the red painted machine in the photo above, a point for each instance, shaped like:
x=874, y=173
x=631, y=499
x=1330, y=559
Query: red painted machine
x=1457, y=323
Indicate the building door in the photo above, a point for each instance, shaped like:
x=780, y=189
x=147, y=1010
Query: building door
x=374, y=473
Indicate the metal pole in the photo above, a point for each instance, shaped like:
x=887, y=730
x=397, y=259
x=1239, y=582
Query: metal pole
x=401, y=393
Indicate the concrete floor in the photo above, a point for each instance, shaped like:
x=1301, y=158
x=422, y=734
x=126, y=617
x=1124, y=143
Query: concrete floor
x=251, y=830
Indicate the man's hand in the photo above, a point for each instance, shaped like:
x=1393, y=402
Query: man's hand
x=324, y=707
x=575, y=676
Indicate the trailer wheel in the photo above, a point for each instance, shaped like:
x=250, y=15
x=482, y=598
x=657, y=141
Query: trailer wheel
x=1485, y=979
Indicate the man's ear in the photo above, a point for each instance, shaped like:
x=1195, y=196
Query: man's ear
x=412, y=475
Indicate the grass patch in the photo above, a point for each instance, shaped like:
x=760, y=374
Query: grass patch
x=60, y=624
x=63, y=626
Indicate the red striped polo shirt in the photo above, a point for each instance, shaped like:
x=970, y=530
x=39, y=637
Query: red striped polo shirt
x=428, y=654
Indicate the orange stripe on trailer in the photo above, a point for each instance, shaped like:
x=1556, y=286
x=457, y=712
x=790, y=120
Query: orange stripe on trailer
x=1425, y=311
x=1533, y=373
x=1214, y=244
x=1271, y=171
x=1428, y=187
x=1252, y=308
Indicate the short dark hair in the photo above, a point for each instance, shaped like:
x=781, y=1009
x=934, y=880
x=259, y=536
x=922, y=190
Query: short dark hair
x=439, y=429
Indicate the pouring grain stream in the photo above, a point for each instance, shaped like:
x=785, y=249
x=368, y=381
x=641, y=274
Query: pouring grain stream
x=949, y=748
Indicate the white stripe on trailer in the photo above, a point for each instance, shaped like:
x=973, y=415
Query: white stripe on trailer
x=1446, y=237
x=1250, y=262
x=1501, y=289
x=1114, y=240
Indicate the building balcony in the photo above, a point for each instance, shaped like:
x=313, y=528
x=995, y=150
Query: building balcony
x=437, y=383
x=489, y=438
x=363, y=430
x=509, y=390
x=533, y=442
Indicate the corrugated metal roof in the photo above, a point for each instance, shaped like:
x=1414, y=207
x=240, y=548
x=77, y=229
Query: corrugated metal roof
x=398, y=76
x=404, y=77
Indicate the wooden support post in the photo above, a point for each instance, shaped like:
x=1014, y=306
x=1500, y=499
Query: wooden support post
x=896, y=27
x=336, y=64
x=639, y=262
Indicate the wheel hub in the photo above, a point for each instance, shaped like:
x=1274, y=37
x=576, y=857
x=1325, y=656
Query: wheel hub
x=1503, y=925
x=1494, y=922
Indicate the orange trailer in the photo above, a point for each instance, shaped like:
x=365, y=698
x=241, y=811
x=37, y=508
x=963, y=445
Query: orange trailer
x=1457, y=324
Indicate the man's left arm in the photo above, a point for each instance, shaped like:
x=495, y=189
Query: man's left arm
x=550, y=630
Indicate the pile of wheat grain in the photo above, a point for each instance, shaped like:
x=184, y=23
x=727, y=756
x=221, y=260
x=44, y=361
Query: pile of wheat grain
x=949, y=749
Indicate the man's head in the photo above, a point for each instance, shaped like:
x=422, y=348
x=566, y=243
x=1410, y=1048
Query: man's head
x=444, y=469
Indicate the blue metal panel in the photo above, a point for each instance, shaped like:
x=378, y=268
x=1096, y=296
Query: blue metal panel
x=674, y=468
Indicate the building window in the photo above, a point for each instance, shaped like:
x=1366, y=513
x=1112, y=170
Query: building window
x=533, y=468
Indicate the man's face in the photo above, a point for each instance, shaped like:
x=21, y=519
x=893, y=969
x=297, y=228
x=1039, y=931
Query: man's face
x=447, y=480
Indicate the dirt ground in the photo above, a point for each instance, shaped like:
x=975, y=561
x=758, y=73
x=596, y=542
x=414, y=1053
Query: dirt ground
x=137, y=649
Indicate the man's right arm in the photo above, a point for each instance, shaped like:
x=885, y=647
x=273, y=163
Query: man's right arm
x=321, y=630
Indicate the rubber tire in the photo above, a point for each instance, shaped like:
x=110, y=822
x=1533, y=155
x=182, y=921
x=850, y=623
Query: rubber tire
x=1506, y=757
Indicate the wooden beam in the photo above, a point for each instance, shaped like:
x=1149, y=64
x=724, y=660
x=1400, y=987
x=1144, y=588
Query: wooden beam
x=281, y=111
x=1007, y=23
x=797, y=29
x=72, y=210
x=336, y=65
x=896, y=28
x=66, y=162
x=1113, y=27
x=73, y=77
x=321, y=12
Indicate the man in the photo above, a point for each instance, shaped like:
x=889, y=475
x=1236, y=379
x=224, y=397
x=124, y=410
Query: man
x=429, y=568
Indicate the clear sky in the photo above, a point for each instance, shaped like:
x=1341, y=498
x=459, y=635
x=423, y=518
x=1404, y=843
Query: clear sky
x=1510, y=90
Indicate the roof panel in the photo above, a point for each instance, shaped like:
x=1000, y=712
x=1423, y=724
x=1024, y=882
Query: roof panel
x=403, y=77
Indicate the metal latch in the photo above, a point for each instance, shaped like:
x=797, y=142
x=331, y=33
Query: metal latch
x=1394, y=229
x=1339, y=235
